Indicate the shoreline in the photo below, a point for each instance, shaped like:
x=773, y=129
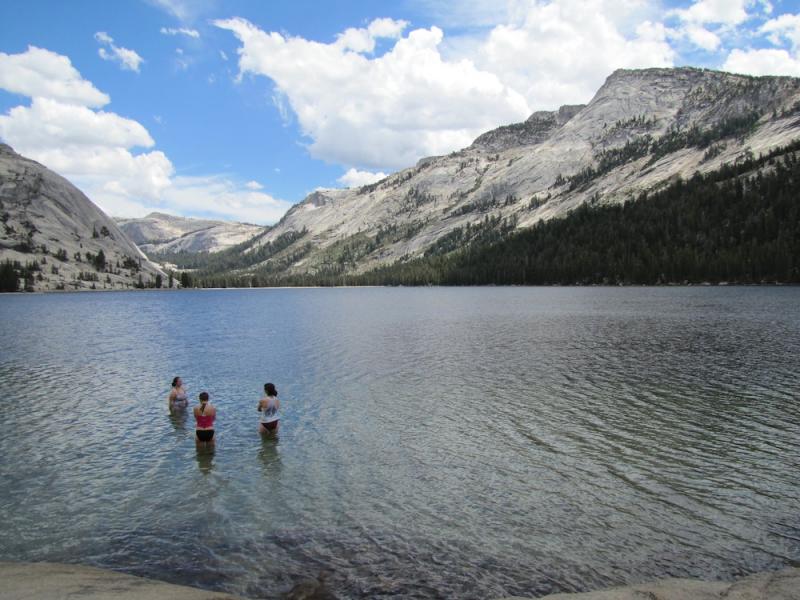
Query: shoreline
x=704, y=284
x=54, y=581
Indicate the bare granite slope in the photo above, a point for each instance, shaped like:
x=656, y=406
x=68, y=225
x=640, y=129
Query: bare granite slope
x=159, y=232
x=48, y=221
x=642, y=129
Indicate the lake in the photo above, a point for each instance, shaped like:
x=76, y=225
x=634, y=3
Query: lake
x=434, y=442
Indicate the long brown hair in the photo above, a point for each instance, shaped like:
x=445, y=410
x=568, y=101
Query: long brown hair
x=203, y=400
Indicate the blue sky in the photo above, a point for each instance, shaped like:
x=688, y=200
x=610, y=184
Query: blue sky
x=236, y=109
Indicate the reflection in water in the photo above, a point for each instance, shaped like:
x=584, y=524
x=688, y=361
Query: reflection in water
x=178, y=418
x=269, y=455
x=465, y=443
x=205, y=458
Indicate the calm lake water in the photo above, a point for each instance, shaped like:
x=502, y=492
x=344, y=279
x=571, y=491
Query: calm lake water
x=435, y=443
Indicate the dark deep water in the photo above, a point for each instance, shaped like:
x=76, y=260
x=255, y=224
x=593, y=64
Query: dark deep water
x=435, y=443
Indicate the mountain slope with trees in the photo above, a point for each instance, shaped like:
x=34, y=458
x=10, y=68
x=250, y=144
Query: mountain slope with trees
x=643, y=132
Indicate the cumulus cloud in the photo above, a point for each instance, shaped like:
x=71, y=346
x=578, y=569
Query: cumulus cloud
x=725, y=12
x=785, y=27
x=426, y=96
x=193, y=33
x=62, y=129
x=782, y=32
x=770, y=61
x=253, y=185
x=380, y=112
x=221, y=196
x=128, y=59
x=92, y=148
x=702, y=37
x=42, y=73
x=570, y=47
x=356, y=178
x=363, y=39
x=50, y=122
x=95, y=149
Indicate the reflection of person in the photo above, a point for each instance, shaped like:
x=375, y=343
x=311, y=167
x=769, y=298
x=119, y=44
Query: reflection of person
x=205, y=458
x=204, y=415
x=178, y=400
x=268, y=407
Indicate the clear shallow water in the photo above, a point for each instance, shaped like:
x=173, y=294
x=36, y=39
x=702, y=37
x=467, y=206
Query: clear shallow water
x=435, y=443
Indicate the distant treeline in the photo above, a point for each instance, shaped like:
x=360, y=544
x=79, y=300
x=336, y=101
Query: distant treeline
x=740, y=224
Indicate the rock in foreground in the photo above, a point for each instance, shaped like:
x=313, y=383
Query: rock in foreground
x=779, y=585
x=51, y=581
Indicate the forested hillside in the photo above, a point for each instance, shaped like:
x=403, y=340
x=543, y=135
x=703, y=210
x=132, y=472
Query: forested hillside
x=739, y=224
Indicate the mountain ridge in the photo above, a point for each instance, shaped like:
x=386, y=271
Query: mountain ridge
x=159, y=233
x=53, y=237
x=641, y=130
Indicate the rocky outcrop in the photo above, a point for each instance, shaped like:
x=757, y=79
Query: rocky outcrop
x=642, y=129
x=780, y=585
x=159, y=233
x=59, y=237
x=50, y=581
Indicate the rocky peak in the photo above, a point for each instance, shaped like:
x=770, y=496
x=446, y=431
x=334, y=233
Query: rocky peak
x=534, y=130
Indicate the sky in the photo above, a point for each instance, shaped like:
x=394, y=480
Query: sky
x=237, y=109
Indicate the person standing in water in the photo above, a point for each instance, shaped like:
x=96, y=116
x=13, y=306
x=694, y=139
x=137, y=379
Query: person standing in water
x=268, y=407
x=178, y=400
x=204, y=415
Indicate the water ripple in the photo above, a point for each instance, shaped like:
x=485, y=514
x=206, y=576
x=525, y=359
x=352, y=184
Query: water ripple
x=434, y=443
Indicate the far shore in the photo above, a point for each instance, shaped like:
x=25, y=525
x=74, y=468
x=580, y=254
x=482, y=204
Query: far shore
x=704, y=284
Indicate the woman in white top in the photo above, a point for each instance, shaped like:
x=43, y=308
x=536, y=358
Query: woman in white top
x=268, y=407
x=178, y=400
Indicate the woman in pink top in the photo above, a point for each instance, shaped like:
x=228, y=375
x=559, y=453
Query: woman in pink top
x=204, y=415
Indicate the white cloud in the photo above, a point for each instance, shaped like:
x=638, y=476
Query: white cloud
x=363, y=39
x=379, y=112
x=90, y=148
x=94, y=149
x=702, y=37
x=223, y=197
x=50, y=123
x=128, y=59
x=253, y=185
x=103, y=37
x=784, y=27
x=726, y=12
x=387, y=28
x=42, y=73
x=356, y=178
x=570, y=47
x=222, y=55
x=763, y=62
x=193, y=33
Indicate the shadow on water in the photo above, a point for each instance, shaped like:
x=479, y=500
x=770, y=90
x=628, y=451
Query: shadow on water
x=205, y=458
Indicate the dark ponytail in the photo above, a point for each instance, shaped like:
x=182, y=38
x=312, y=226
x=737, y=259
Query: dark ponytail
x=175, y=381
x=269, y=389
